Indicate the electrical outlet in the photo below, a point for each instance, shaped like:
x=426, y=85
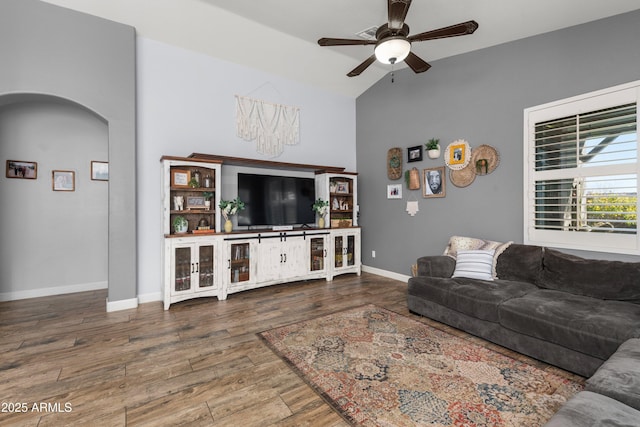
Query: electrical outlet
x=373, y=254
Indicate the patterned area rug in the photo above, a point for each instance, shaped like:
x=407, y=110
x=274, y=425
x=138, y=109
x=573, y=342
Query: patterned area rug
x=379, y=368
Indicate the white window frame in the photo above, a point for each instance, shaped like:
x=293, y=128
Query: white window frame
x=593, y=101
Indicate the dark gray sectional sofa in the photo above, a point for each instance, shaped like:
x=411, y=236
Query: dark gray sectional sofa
x=568, y=311
x=571, y=312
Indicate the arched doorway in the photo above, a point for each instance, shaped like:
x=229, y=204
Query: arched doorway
x=54, y=242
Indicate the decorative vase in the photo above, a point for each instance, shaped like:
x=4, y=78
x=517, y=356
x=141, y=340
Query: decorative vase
x=321, y=222
x=228, y=226
x=434, y=154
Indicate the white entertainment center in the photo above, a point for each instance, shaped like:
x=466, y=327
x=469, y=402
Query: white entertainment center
x=205, y=262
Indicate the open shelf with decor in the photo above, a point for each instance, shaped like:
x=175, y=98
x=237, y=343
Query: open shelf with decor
x=190, y=196
x=340, y=190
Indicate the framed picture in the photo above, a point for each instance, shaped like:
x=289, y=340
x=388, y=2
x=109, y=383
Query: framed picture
x=63, y=180
x=433, y=182
x=394, y=191
x=99, y=171
x=342, y=187
x=457, y=154
x=22, y=170
x=180, y=178
x=414, y=154
x=195, y=202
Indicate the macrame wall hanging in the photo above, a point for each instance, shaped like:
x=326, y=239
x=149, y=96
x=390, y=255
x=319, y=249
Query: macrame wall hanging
x=272, y=126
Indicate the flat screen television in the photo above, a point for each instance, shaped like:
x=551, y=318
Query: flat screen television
x=276, y=200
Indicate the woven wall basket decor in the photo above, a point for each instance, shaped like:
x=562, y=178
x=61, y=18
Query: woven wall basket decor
x=463, y=177
x=485, y=159
x=394, y=163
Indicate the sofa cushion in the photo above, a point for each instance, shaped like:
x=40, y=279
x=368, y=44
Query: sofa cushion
x=587, y=409
x=619, y=376
x=457, y=243
x=613, y=280
x=521, y=263
x=474, y=265
x=588, y=325
x=472, y=297
x=436, y=266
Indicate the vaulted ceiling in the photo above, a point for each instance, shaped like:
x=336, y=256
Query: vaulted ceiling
x=280, y=36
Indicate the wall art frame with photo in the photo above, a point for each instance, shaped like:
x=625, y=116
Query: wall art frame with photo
x=414, y=154
x=99, y=171
x=434, y=182
x=394, y=191
x=63, y=180
x=21, y=170
x=457, y=154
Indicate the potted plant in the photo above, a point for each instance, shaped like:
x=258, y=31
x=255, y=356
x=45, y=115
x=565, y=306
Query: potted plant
x=433, y=148
x=207, y=199
x=180, y=224
x=228, y=208
x=321, y=208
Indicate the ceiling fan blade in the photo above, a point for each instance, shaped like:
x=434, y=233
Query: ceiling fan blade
x=461, y=29
x=360, y=68
x=343, y=42
x=397, y=11
x=417, y=64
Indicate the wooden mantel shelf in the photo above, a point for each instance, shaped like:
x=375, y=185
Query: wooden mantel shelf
x=239, y=161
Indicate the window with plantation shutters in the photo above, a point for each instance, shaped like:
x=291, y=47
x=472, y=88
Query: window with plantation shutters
x=581, y=172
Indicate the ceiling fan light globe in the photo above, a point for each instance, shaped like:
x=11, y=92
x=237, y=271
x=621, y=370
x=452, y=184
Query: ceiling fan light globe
x=392, y=50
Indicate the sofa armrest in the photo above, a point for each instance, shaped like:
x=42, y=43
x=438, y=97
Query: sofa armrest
x=436, y=266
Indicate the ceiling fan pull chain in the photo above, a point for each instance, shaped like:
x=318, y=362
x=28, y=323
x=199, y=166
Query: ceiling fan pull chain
x=393, y=61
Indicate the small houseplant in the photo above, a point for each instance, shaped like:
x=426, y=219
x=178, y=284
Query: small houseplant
x=433, y=148
x=207, y=199
x=180, y=224
x=321, y=208
x=228, y=208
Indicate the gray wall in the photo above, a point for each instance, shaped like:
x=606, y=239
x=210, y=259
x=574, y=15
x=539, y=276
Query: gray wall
x=89, y=61
x=479, y=97
x=64, y=231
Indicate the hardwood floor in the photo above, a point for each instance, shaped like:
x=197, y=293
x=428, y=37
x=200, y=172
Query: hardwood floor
x=65, y=361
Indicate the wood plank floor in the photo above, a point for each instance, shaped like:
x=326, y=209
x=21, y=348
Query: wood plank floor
x=65, y=361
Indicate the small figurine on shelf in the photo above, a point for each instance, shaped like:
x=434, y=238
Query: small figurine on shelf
x=228, y=208
x=321, y=208
x=178, y=203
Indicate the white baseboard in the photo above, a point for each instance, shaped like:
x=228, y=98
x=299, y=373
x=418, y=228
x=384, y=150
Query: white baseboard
x=123, y=304
x=385, y=273
x=57, y=290
x=152, y=297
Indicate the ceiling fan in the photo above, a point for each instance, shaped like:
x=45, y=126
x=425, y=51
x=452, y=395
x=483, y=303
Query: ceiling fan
x=393, y=42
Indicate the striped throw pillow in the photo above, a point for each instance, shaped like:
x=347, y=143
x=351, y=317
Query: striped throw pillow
x=476, y=264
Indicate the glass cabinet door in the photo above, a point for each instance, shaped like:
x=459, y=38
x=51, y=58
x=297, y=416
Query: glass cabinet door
x=205, y=266
x=345, y=251
x=318, y=253
x=239, y=263
x=350, y=251
x=338, y=251
x=182, y=273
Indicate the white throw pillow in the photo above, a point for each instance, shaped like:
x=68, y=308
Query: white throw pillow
x=458, y=243
x=474, y=264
